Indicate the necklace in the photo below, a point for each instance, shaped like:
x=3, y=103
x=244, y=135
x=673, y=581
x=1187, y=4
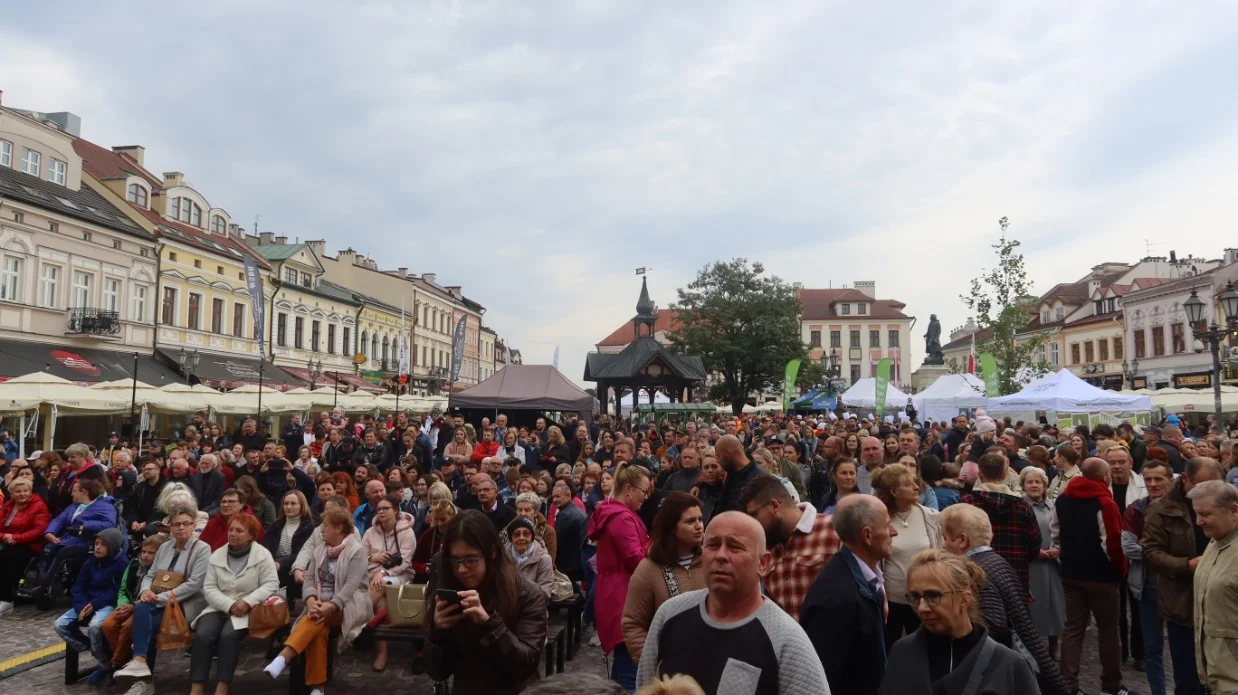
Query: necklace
x=903, y=517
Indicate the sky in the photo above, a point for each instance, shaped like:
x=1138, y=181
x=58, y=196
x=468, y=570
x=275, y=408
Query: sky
x=536, y=153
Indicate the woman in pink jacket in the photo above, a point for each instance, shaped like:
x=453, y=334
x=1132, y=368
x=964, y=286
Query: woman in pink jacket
x=389, y=545
x=622, y=538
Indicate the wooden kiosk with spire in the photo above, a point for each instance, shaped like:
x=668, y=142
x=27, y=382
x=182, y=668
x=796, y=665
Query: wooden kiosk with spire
x=644, y=365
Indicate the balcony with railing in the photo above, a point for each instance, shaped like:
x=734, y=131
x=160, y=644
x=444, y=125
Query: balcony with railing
x=91, y=321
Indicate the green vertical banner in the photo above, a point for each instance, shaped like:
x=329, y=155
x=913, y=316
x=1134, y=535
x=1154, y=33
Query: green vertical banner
x=788, y=386
x=988, y=367
x=883, y=384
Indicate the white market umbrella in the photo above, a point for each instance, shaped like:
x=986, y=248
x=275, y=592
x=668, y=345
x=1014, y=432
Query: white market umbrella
x=30, y=390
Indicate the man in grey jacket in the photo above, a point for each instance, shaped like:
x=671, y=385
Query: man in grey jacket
x=571, y=528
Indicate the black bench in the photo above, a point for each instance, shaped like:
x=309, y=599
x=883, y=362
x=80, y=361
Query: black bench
x=415, y=636
x=74, y=673
x=556, y=646
x=573, y=610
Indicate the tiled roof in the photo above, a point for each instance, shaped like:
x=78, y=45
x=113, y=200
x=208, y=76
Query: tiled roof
x=981, y=335
x=634, y=358
x=668, y=320
x=83, y=204
x=818, y=305
x=104, y=164
x=1096, y=318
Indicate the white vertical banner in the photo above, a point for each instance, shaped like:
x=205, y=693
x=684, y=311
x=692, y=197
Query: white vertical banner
x=555, y=361
x=402, y=366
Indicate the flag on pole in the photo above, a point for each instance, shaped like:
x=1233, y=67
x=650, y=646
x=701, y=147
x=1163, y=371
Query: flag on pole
x=555, y=361
x=971, y=356
x=402, y=366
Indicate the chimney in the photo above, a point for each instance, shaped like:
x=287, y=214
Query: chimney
x=281, y=240
x=135, y=152
x=867, y=287
x=428, y=277
x=1, y=97
x=266, y=238
x=173, y=178
x=401, y=272
x=236, y=231
x=1231, y=255
x=318, y=246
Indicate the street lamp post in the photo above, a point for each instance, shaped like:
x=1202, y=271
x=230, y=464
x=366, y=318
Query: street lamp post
x=189, y=362
x=1213, y=334
x=315, y=371
x=1129, y=370
x=830, y=369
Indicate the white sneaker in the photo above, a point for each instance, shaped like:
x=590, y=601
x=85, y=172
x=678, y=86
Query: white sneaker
x=141, y=688
x=595, y=641
x=6, y=607
x=134, y=669
x=317, y=691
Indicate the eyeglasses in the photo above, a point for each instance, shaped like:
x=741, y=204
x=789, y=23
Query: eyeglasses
x=471, y=562
x=182, y=524
x=385, y=508
x=932, y=598
x=644, y=491
x=754, y=512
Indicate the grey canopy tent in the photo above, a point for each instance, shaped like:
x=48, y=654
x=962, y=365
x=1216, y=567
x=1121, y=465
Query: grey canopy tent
x=526, y=387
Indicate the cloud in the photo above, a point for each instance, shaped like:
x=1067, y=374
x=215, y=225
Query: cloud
x=535, y=153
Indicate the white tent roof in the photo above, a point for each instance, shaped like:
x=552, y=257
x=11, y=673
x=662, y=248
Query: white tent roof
x=863, y=394
x=944, y=398
x=1064, y=392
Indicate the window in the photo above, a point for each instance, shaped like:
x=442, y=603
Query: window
x=1089, y=352
x=196, y=217
x=1044, y=316
x=814, y=338
x=315, y=332
x=176, y=208
x=139, y=303
x=11, y=280
x=1040, y=354
x=195, y=311
x=81, y=290
x=218, y=225
x=386, y=352
x=290, y=276
x=330, y=338
x=365, y=343
x=374, y=346
x=86, y=236
x=1059, y=314
x=145, y=252
x=1053, y=354
x=423, y=356
x=172, y=256
x=116, y=244
x=30, y=161
x=1141, y=350
x=874, y=338
x=846, y=309
x=238, y=320
x=306, y=281
x=111, y=294
x=1074, y=353
x=836, y=339
x=217, y=316
x=893, y=338
x=1103, y=350
x=281, y=330
x=1158, y=341
x=346, y=343
x=1117, y=348
x=6, y=153
x=855, y=373
x=18, y=216
x=855, y=339
x=219, y=270
x=56, y=171
x=1098, y=306
x=1111, y=305
x=863, y=308
x=197, y=264
x=1179, y=336
x=137, y=195
x=298, y=332
x=48, y=278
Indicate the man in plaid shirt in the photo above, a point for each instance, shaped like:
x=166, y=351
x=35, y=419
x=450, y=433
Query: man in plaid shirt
x=801, y=540
x=1016, y=533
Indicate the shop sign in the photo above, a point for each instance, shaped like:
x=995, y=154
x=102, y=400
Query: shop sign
x=1193, y=380
x=76, y=362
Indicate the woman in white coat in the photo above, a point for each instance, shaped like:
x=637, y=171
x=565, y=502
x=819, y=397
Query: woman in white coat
x=241, y=575
x=389, y=547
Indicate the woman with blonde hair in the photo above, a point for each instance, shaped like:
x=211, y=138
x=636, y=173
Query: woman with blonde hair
x=442, y=511
x=952, y=652
x=770, y=464
x=918, y=529
x=288, y=535
x=556, y=450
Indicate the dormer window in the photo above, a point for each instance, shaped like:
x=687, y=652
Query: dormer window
x=1098, y=307
x=863, y=308
x=56, y=171
x=1060, y=314
x=1111, y=304
x=846, y=309
x=218, y=225
x=186, y=210
x=290, y=276
x=30, y=161
x=137, y=195
x=1044, y=316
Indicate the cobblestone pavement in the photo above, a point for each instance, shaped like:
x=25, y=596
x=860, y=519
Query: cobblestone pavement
x=26, y=630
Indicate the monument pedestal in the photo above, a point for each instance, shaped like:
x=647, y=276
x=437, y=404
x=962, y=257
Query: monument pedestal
x=924, y=377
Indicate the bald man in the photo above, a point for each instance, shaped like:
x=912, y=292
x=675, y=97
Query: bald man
x=747, y=643
x=739, y=471
x=872, y=455
x=1088, y=527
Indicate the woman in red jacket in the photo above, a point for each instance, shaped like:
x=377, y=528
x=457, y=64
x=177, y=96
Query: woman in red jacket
x=24, y=518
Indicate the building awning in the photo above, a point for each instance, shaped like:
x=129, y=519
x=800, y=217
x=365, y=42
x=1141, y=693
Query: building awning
x=354, y=380
x=83, y=365
x=304, y=375
x=229, y=372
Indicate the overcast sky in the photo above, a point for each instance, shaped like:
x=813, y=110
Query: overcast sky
x=536, y=153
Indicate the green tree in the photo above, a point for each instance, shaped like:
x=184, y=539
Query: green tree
x=743, y=324
x=810, y=376
x=1000, y=299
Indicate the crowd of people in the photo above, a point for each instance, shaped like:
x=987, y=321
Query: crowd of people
x=781, y=554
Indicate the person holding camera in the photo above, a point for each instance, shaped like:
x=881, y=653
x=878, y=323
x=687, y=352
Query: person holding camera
x=389, y=545
x=488, y=625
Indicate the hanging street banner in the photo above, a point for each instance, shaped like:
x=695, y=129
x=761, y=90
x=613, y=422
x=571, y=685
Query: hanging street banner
x=457, y=350
x=554, y=361
x=988, y=365
x=253, y=282
x=883, y=385
x=788, y=386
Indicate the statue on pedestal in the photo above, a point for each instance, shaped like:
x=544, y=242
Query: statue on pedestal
x=932, y=343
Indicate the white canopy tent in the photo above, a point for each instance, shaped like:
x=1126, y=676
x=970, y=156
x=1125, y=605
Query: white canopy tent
x=1064, y=392
x=863, y=394
x=944, y=398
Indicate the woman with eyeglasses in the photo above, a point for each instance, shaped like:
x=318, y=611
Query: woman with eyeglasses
x=390, y=544
x=488, y=625
x=621, y=540
x=23, y=521
x=335, y=597
x=951, y=653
